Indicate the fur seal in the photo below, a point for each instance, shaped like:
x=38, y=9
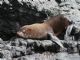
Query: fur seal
x=53, y=27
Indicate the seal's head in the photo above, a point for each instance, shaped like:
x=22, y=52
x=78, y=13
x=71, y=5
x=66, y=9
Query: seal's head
x=24, y=32
x=21, y=32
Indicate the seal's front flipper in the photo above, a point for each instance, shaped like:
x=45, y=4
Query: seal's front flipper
x=55, y=39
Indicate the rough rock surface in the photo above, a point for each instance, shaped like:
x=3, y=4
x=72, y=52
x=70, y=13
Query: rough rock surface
x=16, y=13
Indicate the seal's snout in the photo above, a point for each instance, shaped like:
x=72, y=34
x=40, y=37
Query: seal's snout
x=20, y=34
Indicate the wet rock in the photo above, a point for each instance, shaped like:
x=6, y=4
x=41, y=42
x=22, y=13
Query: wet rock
x=1, y=55
x=1, y=45
x=5, y=54
x=78, y=1
x=38, y=56
x=66, y=56
x=1, y=41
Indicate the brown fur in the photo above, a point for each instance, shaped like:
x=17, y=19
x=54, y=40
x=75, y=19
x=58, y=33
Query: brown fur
x=37, y=30
x=55, y=25
x=58, y=24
